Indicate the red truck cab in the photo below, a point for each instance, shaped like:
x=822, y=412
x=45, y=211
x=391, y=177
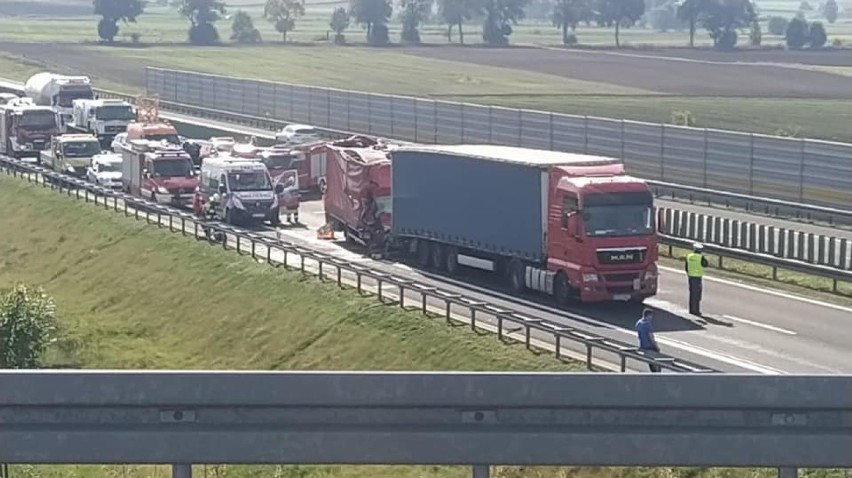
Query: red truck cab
x=26, y=129
x=601, y=234
x=158, y=172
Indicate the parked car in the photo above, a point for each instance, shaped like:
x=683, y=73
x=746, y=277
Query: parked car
x=105, y=170
x=5, y=97
x=119, y=142
x=297, y=134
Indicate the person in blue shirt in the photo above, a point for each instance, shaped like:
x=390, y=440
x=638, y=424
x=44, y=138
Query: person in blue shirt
x=647, y=341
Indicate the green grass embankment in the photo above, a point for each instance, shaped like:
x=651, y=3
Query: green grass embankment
x=133, y=296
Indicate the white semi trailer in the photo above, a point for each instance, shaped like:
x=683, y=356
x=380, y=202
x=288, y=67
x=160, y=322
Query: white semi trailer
x=58, y=92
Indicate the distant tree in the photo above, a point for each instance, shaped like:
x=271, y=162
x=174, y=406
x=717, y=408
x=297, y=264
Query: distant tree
x=777, y=25
x=689, y=12
x=283, y=14
x=816, y=35
x=243, y=30
x=620, y=13
x=796, y=35
x=500, y=15
x=568, y=14
x=805, y=7
x=413, y=13
x=455, y=13
x=339, y=23
x=722, y=19
x=202, y=14
x=113, y=11
x=830, y=10
x=27, y=326
x=370, y=14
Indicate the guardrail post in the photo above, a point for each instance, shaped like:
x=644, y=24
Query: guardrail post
x=182, y=471
x=481, y=471
x=788, y=472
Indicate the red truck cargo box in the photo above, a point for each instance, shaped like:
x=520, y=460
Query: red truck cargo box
x=353, y=175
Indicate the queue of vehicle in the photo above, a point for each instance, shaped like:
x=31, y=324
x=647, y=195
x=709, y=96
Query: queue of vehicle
x=574, y=227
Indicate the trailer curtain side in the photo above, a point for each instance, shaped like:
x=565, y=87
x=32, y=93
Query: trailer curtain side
x=486, y=205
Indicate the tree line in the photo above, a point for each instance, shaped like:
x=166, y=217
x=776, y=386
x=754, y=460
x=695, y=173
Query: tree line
x=721, y=19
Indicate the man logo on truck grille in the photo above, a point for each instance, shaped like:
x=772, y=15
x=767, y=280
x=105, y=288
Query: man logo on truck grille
x=621, y=257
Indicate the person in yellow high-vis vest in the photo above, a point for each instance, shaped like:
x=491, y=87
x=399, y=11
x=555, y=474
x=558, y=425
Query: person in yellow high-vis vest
x=695, y=264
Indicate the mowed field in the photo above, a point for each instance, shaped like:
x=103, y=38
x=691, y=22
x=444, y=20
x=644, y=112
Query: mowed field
x=770, y=91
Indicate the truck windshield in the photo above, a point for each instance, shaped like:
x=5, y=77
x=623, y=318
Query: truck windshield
x=618, y=214
x=249, y=181
x=37, y=119
x=279, y=161
x=173, y=168
x=115, y=113
x=66, y=98
x=109, y=167
x=169, y=138
x=81, y=149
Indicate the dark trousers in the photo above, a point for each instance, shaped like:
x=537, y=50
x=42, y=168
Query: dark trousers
x=695, y=295
x=652, y=353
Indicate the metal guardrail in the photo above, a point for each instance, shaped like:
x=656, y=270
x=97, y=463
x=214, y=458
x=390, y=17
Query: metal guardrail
x=790, y=169
x=478, y=315
x=759, y=205
x=784, y=243
x=428, y=418
x=769, y=206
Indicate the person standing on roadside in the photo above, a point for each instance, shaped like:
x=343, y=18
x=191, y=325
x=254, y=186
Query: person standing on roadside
x=695, y=264
x=647, y=342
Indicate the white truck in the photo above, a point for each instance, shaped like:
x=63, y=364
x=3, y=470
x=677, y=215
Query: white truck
x=71, y=154
x=58, y=91
x=102, y=118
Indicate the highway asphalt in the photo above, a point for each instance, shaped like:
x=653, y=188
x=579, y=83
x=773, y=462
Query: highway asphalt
x=745, y=328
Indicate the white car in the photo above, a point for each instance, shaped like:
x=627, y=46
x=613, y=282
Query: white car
x=297, y=134
x=105, y=170
x=119, y=142
x=6, y=97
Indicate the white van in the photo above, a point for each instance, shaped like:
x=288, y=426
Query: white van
x=238, y=191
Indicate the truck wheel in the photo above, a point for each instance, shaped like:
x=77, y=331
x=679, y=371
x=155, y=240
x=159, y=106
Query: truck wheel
x=451, y=259
x=516, y=276
x=423, y=253
x=437, y=255
x=561, y=290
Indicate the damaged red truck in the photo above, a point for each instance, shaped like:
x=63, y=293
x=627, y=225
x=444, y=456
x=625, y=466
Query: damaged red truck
x=572, y=226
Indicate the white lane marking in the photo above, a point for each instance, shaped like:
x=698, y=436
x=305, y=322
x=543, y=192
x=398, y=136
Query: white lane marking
x=725, y=358
x=765, y=291
x=759, y=324
x=338, y=251
x=681, y=311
